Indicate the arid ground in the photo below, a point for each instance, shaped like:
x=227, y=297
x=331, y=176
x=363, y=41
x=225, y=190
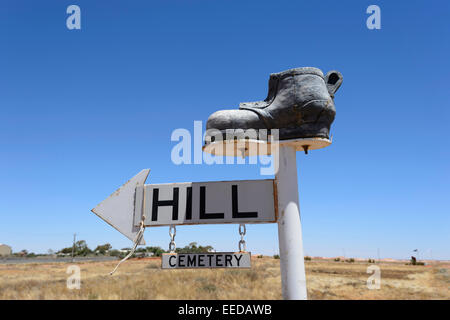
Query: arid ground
x=144, y=279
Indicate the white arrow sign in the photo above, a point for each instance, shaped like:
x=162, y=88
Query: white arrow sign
x=246, y=201
x=118, y=209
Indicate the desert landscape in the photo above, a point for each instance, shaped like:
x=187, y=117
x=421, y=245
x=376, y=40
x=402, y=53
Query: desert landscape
x=144, y=279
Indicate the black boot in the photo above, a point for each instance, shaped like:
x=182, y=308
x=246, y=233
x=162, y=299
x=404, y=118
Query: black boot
x=299, y=104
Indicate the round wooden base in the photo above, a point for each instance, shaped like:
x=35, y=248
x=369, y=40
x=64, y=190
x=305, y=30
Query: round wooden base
x=252, y=147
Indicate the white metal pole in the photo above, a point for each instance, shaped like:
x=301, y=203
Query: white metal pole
x=293, y=279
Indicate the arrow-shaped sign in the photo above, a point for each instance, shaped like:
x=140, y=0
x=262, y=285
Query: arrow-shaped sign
x=214, y=202
x=118, y=209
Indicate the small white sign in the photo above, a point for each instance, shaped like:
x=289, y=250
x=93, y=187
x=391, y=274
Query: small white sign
x=246, y=201
x=206, y=260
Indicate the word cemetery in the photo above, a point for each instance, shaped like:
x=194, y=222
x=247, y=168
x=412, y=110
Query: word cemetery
x=206, y=260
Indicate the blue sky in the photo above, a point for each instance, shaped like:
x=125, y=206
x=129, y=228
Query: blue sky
x=82, y=111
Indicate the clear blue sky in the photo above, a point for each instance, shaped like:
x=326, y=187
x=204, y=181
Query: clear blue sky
x=82, y=111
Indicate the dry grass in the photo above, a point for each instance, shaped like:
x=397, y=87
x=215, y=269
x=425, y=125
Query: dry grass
x=144, y=279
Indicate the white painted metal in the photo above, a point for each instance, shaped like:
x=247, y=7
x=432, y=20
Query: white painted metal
x=252, y=147
x=206, y=260
x=257, y=196
x=118, y=209
x=289, y=227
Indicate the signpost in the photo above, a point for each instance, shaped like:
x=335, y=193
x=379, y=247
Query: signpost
x=299, y=110
x=137, y=204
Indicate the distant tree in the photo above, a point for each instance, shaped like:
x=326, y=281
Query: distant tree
x=21, y=253
x=193, y=248
x=157, y=251
x=66, y=250
x=102, y=249
x=115, y=253
x=81, y=248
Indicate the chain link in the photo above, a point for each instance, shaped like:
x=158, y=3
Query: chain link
x=242, y=232
x=172, y=234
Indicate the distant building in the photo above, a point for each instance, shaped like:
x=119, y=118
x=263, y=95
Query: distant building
x=5, y=250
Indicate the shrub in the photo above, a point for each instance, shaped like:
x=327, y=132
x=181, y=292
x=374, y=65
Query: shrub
x=260, y=256
x=351, y=260
x=414, y=262
x=276, y=256
x=66, y=250
x=193, y=248
x=102, y=249
x=209, y=287
x=337, y=259
x=252, y=275
x=371, y=260
x=114, y=253
x=157, y=251
x=307, y=258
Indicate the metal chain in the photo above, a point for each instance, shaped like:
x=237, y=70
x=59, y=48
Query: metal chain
x=172, y=234
x=242, y=231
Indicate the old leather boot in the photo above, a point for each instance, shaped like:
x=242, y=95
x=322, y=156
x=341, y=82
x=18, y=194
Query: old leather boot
x=299, y=104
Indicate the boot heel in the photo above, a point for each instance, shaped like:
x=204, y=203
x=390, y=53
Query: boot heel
x=306, y=130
